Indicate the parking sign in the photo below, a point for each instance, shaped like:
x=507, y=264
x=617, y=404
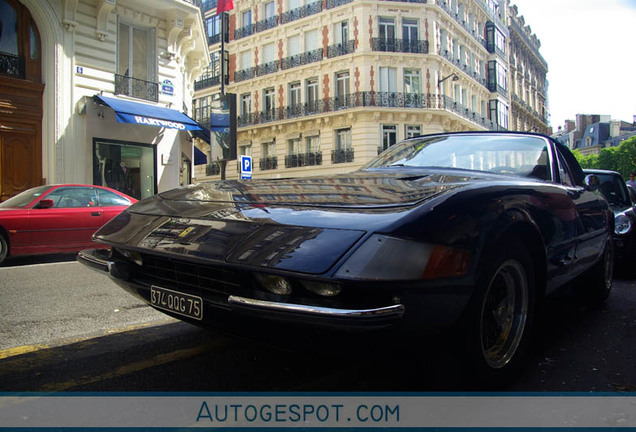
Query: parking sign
x=246, y=167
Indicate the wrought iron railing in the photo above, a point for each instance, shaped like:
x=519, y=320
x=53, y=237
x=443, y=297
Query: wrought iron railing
x=301, y=12
x=303, y=58
x=244, y=74
x=13, y=66
x=210, y=81
x=268, y=163
x=342, y=156
x=303, y=159
x=242, y=32
x=400, y=45
x=335, y=3
x=367, y=99
x=341, y=49
x=267, y=68
x=266, y=24
x=137, y=88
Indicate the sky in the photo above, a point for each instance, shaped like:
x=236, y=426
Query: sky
x=589, y=46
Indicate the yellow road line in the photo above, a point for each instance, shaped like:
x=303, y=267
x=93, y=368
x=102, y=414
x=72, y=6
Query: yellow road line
x=25, y=349
x=159, y=360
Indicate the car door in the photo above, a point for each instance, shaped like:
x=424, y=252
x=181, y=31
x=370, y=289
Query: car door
x=71, y=221
x=111, y=203
x=592, y=213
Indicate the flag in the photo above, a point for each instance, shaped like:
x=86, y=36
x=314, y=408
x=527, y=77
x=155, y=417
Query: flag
x=224, y=6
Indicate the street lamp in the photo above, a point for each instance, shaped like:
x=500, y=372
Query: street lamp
x=454, y=76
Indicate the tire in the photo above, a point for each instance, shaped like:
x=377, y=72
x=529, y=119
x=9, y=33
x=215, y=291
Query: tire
x=501, y=313
x=4, y=248
x=597, y=282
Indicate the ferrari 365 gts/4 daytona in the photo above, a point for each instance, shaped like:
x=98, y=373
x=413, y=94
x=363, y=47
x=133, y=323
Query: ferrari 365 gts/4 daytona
x=458, y=229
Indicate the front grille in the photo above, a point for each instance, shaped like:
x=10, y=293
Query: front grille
x=176, y=274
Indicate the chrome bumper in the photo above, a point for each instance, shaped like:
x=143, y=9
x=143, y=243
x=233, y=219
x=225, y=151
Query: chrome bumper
x=100, y=260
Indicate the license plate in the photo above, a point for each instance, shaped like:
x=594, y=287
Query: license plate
x=176, y=302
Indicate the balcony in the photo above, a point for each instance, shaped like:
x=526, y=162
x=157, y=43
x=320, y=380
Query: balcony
x=210, y=81
x=268, y=163
x=303, y=59
x=341, y=156
x=242, y=32
x=12, y=66
x=303, y=159
x=244, y=74
x=335, y=3
x=388, y=100
x=267, y=68
x=212, y=169
x=266, y=24
x=137, y=88
x=341, y=49
x=301, y=12
x=400, y=45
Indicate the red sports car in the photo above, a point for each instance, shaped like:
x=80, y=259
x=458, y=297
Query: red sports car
x=56, y=218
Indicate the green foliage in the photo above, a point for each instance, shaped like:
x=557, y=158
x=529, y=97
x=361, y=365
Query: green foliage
x=621, y=158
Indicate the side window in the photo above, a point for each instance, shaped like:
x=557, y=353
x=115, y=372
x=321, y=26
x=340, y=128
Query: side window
x=108, y=198
x=564, y=172
x=72, y=197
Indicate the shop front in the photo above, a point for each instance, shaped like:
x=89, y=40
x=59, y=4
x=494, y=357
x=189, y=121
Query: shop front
x=137, y=148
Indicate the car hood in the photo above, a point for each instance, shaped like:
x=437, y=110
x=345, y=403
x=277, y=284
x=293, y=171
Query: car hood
x=362, y=189
x=303, y=225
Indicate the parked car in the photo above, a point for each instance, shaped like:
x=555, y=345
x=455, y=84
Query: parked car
x=56, y=218
x=461, y=230
x=622, y=200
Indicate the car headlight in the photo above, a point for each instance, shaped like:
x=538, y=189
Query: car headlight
x=622, y=224
x=388, y=258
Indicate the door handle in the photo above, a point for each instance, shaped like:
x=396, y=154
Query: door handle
x=96, y=213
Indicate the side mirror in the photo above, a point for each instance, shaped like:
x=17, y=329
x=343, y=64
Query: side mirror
x=44, y=204
x=591, y=182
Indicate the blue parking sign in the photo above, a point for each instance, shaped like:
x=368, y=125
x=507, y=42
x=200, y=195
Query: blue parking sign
x=246, y=167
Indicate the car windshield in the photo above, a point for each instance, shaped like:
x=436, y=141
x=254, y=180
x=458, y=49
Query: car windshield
x=525, y=156
x=24, y=198
x=613, y=189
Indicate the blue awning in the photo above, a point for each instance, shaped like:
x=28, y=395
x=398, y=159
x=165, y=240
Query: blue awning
x=150, y=115
x=220, y=122
x=200, y=158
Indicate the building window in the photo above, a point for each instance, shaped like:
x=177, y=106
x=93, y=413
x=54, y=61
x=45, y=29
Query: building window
x=270, y=10
x=246, y=19
x=410, y=35
x=213, y=28
x=495, y=39
x=245, y=150
x=387, y=29
x=341, y=32
x=497, y=80
x=412, y=81
x=411, y=131
x=295, y=104
x=202, y=110
x=246, y=59
x=499, y=113
x=311, y=40
x=268, y=160
x=389, y=136
x=136, y=64
x=312, y=95
x=294, y=156
x=342, y=89
x=388, y=80
x=269, y=104
x=246, y=105
x=344, y=150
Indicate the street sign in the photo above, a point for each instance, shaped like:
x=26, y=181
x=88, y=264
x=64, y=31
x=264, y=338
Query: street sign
x=246, y=167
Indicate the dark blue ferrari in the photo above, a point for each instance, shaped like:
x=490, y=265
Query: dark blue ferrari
x=469, y=231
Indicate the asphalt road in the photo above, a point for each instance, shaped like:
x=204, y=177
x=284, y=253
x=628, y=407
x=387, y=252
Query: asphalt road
x=66, y=328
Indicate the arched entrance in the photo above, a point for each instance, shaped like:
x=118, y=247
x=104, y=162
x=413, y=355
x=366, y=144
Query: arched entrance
x=21, y=91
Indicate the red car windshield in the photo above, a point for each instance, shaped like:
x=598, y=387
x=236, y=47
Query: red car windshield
x=25, y=198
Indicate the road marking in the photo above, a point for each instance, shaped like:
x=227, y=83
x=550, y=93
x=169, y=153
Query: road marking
x=25, y=349
x=159, y=360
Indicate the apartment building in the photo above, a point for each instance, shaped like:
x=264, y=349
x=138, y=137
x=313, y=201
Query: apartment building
x=324, y=86
x=90, y=85
x=528, y=77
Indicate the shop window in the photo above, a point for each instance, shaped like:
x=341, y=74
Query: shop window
x=126, y=167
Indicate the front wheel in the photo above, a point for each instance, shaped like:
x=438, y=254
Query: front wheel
x=501, y=313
